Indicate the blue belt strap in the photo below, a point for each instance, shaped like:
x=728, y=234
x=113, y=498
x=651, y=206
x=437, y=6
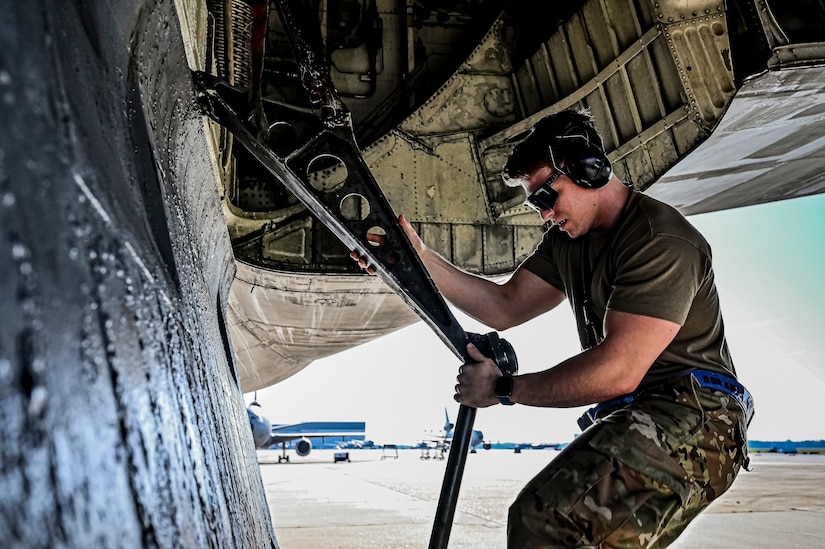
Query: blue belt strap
x=704, y=378
x=726, y=384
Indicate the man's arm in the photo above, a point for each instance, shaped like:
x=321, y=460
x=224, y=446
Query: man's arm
x=614, y=367
x=499, y=306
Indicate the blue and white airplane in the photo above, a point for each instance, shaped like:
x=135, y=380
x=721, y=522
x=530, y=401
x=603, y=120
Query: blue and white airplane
x=267, y=434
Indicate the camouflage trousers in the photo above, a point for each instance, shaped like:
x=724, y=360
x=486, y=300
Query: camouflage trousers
x=637, y=476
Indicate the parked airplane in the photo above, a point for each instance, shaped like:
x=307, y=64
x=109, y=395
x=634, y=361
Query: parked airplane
x=436, y=444
x=308, y=434
x=337, y=433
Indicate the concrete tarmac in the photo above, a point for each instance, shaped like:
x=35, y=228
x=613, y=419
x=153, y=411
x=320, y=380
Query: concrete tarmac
x=390, y=503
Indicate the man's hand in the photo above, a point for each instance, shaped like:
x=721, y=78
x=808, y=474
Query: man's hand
x=362, y=262
x=477, y=380
x=380, y=240
x=415, y=240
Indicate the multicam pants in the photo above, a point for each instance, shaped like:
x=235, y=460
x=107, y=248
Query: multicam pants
x=637, y=476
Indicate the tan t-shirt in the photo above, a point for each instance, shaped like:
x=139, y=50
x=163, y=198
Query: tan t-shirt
x=652, y=263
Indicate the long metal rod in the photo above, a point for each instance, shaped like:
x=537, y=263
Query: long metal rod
x=453, y=474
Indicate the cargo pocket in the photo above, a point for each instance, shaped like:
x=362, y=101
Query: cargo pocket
x=586, y=501
x=646, y=438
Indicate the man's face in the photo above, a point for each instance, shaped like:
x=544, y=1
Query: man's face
x=575, y=207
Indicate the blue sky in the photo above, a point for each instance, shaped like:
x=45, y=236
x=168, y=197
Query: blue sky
x=770, y=271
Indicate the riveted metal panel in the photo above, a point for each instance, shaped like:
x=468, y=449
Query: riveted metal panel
x=439, y=237
x=545, y=80
x=498, y=249
x=526, y=240
x=666, y=76
x=645, y=89
x=622, y=105
x=580, y=48
x=625, y=22
x=701, y=49
x=528, y=89
x=468, y=246
x=562, y=61
x=599, y=35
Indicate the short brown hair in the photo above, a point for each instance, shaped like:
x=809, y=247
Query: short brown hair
x=533, y=152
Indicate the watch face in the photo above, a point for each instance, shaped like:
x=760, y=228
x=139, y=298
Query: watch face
x=504, y=386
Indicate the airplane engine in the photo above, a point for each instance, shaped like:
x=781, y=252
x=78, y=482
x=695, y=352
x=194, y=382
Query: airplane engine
x=303, y=447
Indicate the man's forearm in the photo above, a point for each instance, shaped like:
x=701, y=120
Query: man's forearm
x=474, y=295
x=612, y=368
x=578, y=381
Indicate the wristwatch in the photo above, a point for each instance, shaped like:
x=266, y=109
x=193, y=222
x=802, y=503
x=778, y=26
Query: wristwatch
x=504, y=389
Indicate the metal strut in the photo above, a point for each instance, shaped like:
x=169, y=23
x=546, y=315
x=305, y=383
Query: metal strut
x=315, y=155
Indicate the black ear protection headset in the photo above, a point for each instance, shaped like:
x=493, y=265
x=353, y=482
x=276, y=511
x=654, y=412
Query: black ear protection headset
x=582, y=157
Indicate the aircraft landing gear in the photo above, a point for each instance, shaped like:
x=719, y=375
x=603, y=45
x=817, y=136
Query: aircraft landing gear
x=283, y=457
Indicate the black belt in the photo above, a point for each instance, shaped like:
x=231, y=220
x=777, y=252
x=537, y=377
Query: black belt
x=704, y=378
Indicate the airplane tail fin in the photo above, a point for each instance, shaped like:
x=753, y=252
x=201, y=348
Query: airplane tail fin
x=448, y=425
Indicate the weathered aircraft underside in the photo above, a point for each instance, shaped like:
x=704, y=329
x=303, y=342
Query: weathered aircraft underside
x=440, y=92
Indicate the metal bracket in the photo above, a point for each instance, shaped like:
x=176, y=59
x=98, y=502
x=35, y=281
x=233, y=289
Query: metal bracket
x=327, y=173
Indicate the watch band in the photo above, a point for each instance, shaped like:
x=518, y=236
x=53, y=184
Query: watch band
x=504, y=389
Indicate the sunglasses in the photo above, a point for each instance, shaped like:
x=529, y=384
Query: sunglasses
x=544, y=198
